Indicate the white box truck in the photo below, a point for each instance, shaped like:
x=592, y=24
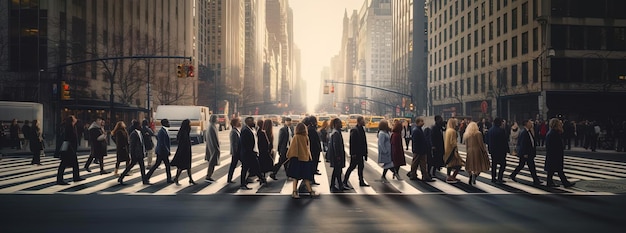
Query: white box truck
x=176, y=114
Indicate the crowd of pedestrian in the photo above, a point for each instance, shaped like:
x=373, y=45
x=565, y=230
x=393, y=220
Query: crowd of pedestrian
x=300, y=148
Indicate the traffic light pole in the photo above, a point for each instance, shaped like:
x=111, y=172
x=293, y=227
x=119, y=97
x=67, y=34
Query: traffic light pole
x=111, y=95
x=373, y=87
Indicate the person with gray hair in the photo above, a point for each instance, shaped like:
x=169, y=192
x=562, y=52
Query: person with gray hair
x=212, y=153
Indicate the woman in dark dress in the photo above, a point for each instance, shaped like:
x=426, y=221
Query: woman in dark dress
x=266, y=162
x=555, y=153
x=36, y=143
x=397, y=153
x=120, y=136
x=182, y=158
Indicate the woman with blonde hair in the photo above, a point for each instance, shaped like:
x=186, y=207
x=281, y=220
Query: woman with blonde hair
x=451, y=158
x=300, y=161
x=120, y=137
x=477, y=157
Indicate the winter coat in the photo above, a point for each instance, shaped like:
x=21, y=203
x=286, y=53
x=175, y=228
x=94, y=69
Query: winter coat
x=554, y=152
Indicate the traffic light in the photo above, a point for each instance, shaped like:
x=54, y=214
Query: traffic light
x=65, y=93
x=325, y=89
x=190, y=71
x=411, y=106
x=332, y=89
x=179, y=71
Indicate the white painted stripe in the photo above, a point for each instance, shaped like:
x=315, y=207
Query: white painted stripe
x=354, y=179
x=172, y=189
x=220, y=183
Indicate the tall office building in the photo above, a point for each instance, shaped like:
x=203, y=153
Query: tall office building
x=348, y=55
x=46, y=42
x=373, y=66
x=526, y=59
x=253, y=86
x=409, y=55
x=279, y=22
x=226, y=54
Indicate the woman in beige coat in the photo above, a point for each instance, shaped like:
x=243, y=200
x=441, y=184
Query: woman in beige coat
x=451, y=158
x=477, y=157
x=300, y=161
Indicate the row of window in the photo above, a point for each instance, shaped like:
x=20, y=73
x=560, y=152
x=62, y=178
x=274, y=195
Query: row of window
x=486, y=57
x=494, y=80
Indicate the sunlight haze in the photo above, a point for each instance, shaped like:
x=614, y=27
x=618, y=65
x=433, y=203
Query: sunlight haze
x=317, y=31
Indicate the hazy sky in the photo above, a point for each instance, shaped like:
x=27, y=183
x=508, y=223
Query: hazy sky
x=317, y=32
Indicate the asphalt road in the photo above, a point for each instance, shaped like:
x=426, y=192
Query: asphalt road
x=340, y=213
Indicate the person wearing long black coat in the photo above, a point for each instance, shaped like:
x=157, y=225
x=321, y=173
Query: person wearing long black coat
x=182, y=157
x=358, y=152
x=68, y=153
x=36, y=143
x=434, y=136
x=315, y=145
x=555, y=153
x=498, y=148
x=137, y=153
x=337, y=156
x=249, y=157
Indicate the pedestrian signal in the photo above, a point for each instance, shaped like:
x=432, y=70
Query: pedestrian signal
x=325, y=89
x=190, y=71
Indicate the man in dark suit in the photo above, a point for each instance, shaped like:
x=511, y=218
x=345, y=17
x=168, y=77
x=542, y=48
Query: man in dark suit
x=137, y=153
x=420, y=151
x=235, y=124
x=285, y=134
x=162, y=151
x=249, y=153
x=315, y=145
x=358, y=152
x=526, y=151
x=498, y=148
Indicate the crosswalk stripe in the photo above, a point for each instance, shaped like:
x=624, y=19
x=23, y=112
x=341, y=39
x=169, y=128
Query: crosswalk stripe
x=17, y=176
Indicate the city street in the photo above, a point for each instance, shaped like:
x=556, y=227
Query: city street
x=30, y=196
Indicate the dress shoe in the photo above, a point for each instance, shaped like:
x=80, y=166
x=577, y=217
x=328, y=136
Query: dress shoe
x=413, y=178
x=244, y=187
x=169, y=181
x=569, y=184
x=318, y=173
x=334, y=189
x=231, y=182
x=62, y=183
x=363, y=184
x=87, y=169
x=192, y=182
x=263, y=181
x=273, y=176
x=78, y=179
x=494, y=181
x=120, y=181
x=346, y=186
x=429, y=180
x=513, y=178
x=295, y=195
x=501, y=181
x=315, y=183
x=104, y=172
x=537, y=182
x=147, y=183
x=209, y=180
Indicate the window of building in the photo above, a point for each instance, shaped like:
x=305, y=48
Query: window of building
x=524, y=43
x=462, y=63
x=469, y=41
x=498, y=52
x=535, y=71
x=514, y=75
x=524, y=73
x=505, y=2
x=469, y=85
x=482, y=35
x=482, y=58
x=476, y=15
x=462, y=44
x=462, y=23
x=456, y=67
x=445, y=91
x=504, y=77
x=482, y=11
x=475, y=61
x=456, y=27
x=444, y=72
x=450, y=89
x=514, y=47
x=476, y=38
x=535, y=39
x=482, y=83
x=497, y=5
x=456, y=47
x=491, y=30
x=505, y=23
x=490, y=55
x=498, y=26
x=525, y=13
x=514, y=19
x=490, y=86
x=462, y=89
x=469, y=19
x=475, y=83
x=595, y=37
x=490, y=7
x=450, y=69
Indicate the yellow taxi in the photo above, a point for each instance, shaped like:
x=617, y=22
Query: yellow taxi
x=321, y=119
x=401, y=119
x=352, y=120
x=371, y=123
